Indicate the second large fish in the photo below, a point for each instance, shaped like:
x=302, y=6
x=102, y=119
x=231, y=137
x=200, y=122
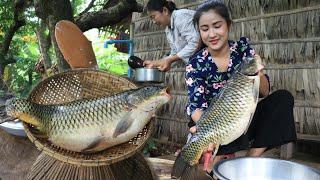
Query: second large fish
x=92, y=125
x=227, y=117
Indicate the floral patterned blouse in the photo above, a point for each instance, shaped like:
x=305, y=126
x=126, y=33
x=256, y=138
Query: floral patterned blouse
x=203, y=78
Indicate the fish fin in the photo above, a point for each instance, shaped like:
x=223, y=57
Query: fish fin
x=123, y=125
x=180, y=168
x=190, y=173
x=3, y=115
x=94, y=146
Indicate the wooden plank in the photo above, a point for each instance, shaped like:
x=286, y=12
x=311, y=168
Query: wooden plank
x=277, y=14
x=289, y=40
x=308, y=137
x=301, y=103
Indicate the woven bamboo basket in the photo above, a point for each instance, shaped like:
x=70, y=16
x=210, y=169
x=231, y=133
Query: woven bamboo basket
x=78, y=84
x=132, y=168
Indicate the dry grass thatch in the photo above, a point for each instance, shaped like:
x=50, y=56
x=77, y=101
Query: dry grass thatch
x=285, y=33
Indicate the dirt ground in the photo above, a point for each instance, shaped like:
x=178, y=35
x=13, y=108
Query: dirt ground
x=17, y=155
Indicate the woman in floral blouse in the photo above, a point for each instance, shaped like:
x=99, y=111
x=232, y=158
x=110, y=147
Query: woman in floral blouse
x=210, y=68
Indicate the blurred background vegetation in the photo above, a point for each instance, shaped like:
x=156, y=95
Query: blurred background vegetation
x=22, y=76
x=24, y=61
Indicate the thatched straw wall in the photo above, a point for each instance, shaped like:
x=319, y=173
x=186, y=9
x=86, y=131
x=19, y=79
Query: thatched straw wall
x=285, y=33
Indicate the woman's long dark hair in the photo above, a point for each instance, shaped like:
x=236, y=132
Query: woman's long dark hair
x=158, y=5
x=218, y=7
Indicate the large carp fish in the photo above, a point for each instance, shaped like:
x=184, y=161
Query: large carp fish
x=91, y=125
x=226, y=119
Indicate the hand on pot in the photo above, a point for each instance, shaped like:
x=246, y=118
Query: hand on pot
x=162, y=64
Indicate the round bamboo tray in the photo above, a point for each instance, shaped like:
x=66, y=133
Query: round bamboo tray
x=77, y=84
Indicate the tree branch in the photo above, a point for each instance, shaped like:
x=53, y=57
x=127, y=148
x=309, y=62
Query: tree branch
x=88, y=8
x=17, y=23
x=44, y=44
x=110, y=3
x=109, y=16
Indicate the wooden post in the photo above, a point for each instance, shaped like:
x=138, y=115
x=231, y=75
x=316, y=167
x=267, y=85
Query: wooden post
x=286, y=150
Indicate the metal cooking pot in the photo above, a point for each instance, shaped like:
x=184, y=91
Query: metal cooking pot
x=149, y=75
x=253, y=168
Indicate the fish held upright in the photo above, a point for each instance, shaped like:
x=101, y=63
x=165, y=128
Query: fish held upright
x=226, y=119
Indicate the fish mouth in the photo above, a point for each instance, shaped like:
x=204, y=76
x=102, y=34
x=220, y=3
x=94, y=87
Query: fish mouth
x=166, y=92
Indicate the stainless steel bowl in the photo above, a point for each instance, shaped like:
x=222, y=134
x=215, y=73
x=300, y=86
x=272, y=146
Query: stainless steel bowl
x=14, y=127
x=148, y=75
x=251, y=168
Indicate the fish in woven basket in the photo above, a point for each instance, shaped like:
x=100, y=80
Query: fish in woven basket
x=226, y=119
x=92, y=125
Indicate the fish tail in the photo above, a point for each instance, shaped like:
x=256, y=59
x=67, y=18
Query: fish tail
x=3, y=115
x=3, y=120
x=183, y=169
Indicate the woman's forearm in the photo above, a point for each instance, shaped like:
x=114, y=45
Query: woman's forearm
x=196, y=115
x=264, y=84
x=172, y=58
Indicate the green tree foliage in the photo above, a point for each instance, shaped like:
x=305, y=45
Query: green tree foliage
x=22, y=74
x=109, y=59
x=24, y=47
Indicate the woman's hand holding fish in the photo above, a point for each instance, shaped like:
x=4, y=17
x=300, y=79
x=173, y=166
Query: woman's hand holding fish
x=207, y=153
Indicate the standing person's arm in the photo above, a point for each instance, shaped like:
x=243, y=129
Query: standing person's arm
x=189, y=34
x=164, y=64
